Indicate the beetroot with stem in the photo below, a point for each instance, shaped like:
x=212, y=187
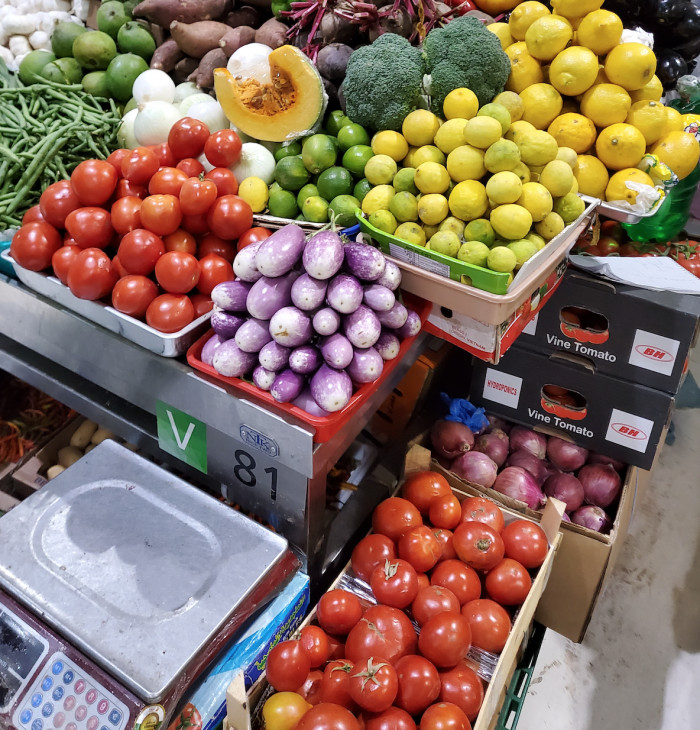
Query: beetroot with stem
x=451, y=438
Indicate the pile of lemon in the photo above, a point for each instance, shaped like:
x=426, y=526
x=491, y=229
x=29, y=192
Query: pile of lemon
x=594, y=94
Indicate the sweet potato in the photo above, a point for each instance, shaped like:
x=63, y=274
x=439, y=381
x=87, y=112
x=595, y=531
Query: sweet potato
x=196, y=39
x=333, y=60
x=163, y=12
x=166, y=56
x=184, y=68
x=272, y=33
x=234, y=38
x=203, y=76
x=245, y=15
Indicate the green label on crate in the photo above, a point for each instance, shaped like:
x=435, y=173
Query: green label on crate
x=182, y=435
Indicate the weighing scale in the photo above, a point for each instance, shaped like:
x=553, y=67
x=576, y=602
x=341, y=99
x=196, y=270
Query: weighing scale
x=119, y=582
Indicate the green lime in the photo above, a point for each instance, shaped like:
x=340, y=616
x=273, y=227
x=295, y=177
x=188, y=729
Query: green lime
x=315, y=209
x=32, y=65
x=122, y=72
x=129, y=6
x=343, y=207
x=404, y=206
x=95, y=83
x=336, y=120
x=95, y=50
x=291, y=174
x=362, y=187
x=131, y=104
x=352, y=134
x=275, y=187
x=308, y=191
x=63, y=36
x=111, y=16
x=384, y=221
x=63, y=71
x=134, y=37
x=403, y=180
x=480, y=229
x=318, y=153
x=333, y=182
x=282, y=204
x=287, y=150
x=445, y=242
x=356, y=157
x=473, y=252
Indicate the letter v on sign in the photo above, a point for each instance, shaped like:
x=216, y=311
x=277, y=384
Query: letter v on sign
x=182, y=435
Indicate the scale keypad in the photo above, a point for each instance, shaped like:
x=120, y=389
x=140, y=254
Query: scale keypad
x=64, y=698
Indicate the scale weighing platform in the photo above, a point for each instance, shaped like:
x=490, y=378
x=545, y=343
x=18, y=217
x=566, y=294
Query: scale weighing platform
x=119, y=583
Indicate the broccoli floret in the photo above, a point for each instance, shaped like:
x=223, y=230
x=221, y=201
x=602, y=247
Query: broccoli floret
x=464, y=54
x=383, y=82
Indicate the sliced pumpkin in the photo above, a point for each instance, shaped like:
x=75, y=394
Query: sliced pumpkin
x=286, y=107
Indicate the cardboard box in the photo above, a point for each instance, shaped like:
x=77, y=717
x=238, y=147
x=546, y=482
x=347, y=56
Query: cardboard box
x=638, y=335
x=617, y=418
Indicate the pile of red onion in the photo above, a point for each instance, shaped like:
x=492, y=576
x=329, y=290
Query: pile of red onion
x=528, y=466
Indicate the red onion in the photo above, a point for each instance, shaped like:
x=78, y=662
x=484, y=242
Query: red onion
x=567, y=488
x=494, y=447
x=594, y=458
x=476, y=468
x=451, y=438
x=565, y=517
x=519, y=484
x=550, y=469
x=565, y=455
x=498, y=423
x=525, y=460
x=594, y=518
x=601, y=484
x=501, y=435
x=526, y=438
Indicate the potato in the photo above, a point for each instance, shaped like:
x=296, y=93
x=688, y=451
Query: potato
x=183, y=68
x=166, y=56
x=54, y=471
x=272, y=33
x=164, y=12
x=68, y=455
x=236, y=38
x=197, y=39
x=102, y=434
x=203, y=76
x=90, y=447
x=82, y=435
x=245, y=15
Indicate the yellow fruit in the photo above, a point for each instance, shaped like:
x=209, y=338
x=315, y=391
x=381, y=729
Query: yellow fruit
x=466, y=163
x=652, y=90
x=547, y=37
x=574, y=186
x=674, y=121
x=390, y=143
x=497, y=112
x=460, y=103
x=419, y=127
x=517, y=129
x=378, y=198
x=541, y=105
x=679, y=150
x=450, y=135
x=511, y=222
x=504, y=187
x=569, y=207
x=573, y=71
x=557, y=177
x=468, y=200
x=523, y=16
x=255, y=192
x=404, y=207
x=600, y=31
x=384, y=220
x=690, y=119
x=380, y=169
x=429, y=231
x=617, y=189
x=426, y=153
x=522, y=171
x=431, y=178
x=536, y=199
x=619, y=146
x=575, y=8
x=591, y=175
x=550, y=226
x=501, y=155
x=512, y=102
x=502, y=32
x=537, y=148
x=452, y=224
x=473, y=252
x=650, y=119
x=432, y=209
x=482, y=132
x=523, y=249
x=524, y=69
x=502, y=259
x=630, y=65
x=574, y=131
x=536, y=239
x=412, y=233
x=606, y=104
x=444, y=242
x=601, y=78
x=568, y=155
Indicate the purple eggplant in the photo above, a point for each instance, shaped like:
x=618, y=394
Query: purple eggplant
x=366, y=366
x=396, y=317
x=210, y=347
x=331, y=389
x=253, y=335
x=364, y=261
x=280, y=252
x=225, y=324
x=326, y=321
x=290, y=327
x=305, y=360
x=244, y=264
x=337, y=351
x=391, y=278
x=378, y=297
x=231, y=361
x=308, y=293
x=264, y=378
x=388, y=345
x=268, y=295
x=231, y=295
x=344, y=293
x=411, y=327
x=287, y=386
x=274, y=356
x=362, y=327
x=306, y=402
x=323, y=255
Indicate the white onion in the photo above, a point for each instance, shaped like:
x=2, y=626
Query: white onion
x=153, y=85
x=154, y=121
x=255, y=161
x=205, y=163
x=185, y=89
x=211, y=114
x=125, y=133
x=244, y=137
x=192, y=99
x=251, y=60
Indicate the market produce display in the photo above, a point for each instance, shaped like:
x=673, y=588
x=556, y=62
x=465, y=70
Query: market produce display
x=84, y=439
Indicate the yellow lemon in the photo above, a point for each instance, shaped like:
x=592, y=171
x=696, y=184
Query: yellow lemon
x=574, y=131
x=606, y=104
x=541, y=105
x=537, y=240
x=502, y=32
x=501, y=155
x=523, y=249
x=452, y=224
x=468, y=200
x=537, y=148
x=497, y=112
x=573, y=70
x=650, y=119
x=432, y=209
x=512, y=102
x=380, y=169
x=517, y=129
x=427, y=153
x=630, y=65
x=523, y=16
x=591, y=175
x=444, y=242
x=564, y=153
x=502, y=259
x=412, y=233
x=522, y=171
x=482, y=132
x=419, y=127
x=557, y=177
x=384, y=220
x=536, y=199
x=473, y=252
x=601, y=78
x=404, y=207
x=504, y=187
x=619, y=146
x=550, y=226
x=378, y=198
x=524, y=69
x=429, y=231
x=390, y=143
x=617, y=188
x=575, y=8
x=511, y=222
x=569, y=207
x=255, y=192
x=600, y=31
x=652, y=90
x=479, y=229
x=548, y=36
x=674, y=121
x=466, y=163
x=431, y=178
x=679, y=150
x=574, y=186
x=460, y=102
x=450, y=135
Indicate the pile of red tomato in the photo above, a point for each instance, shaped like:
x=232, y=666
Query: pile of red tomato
x=454, y=569
x=147, y=226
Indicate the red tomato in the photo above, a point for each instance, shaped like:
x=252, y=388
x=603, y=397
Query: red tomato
x=94, y=181
x=311, y=689
x=462, y=687
x=253, y=235
x=91, y=274
x=214, y=270
x=422, y=487
x=690, y=263
x=444, y=716
x=229, y=217
x=394, y=584
x=338, y=611
x=287, y=666
x=433, y=600
x=382, y=631
x=445, y=639
x=372, y=551
x=223, y=148
x=478, y=545
x=161, y=214
x=213, y=244
x=90, y=227
x=201, y=303
x=394, y=516
x=226, y=183
x=591, y=250
x=139, y=250
x=190, y=166
x=132, y=294
x=187, y=137
x=33, y=215
x=165, y=155
x=607, y=245
x=126, y=188
x=629, y=249
x=119, y=268
x=181, y=240
x=337, y=647
x=480, y=509
x=140, y=165
x=116, y=158
x=314, y=641
x=57, y=201
x=489, y=622
x=169, y=312
x=420, y=548
x=446, y=540
x=335, y=684
x=167, y=181
x=327, y=716
x=462, y=580
x=62, y=259
x=34, y=244
x=445, y=511
x=614, y=229
x=126, y=214
x=177, y=272
x=197, y=196
x=196, y=224
x=423, y=580
x=392, y=719
x=525, y=542
x=508, y=583
x=373, y=684
x=419, y=684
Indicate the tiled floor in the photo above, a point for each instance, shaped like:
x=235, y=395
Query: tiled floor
x=638, y=667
